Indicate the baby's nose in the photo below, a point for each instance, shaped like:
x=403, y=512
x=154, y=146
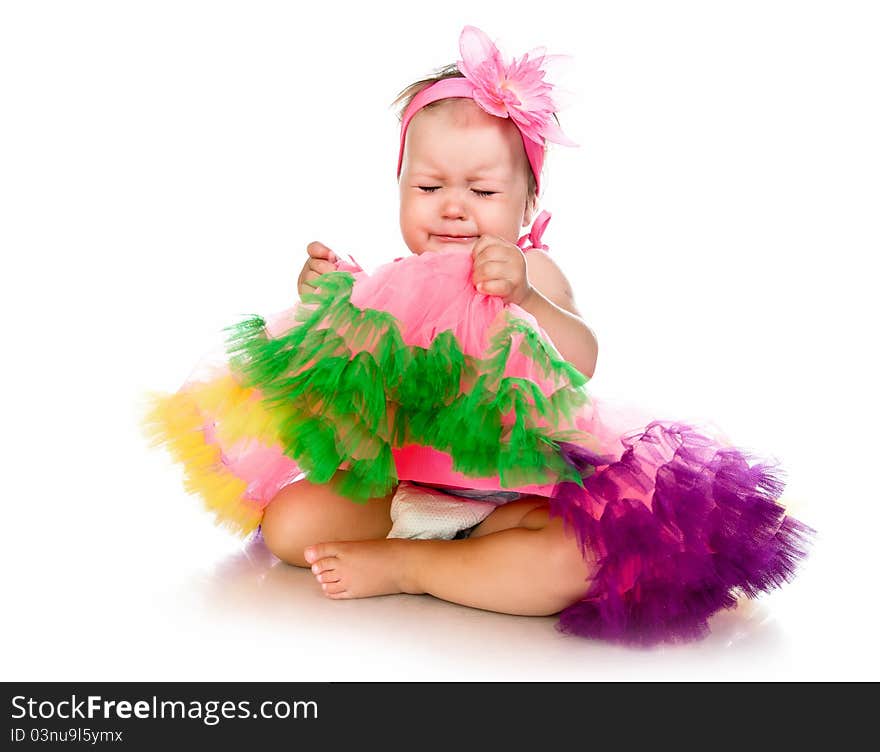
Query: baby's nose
x=454, y=208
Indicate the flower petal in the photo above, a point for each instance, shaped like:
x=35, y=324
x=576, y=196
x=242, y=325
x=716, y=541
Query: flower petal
x=553, y=132
x=490, y=104
x=477, y=51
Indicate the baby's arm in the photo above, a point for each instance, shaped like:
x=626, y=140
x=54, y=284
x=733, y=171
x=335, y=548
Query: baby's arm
x=552, y=304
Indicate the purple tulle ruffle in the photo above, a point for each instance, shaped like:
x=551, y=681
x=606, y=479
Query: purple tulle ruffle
x=677, y=525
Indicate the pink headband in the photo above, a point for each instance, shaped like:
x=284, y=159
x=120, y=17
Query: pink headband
x=514, y=89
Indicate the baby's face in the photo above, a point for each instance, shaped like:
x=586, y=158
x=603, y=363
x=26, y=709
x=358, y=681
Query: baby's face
x=464, y=175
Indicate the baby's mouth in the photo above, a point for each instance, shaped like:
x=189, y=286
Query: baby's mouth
x=455, y=238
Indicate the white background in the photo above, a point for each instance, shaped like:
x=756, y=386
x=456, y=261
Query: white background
x=163, y=166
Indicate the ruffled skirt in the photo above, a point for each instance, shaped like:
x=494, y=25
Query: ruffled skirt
x=410, y=374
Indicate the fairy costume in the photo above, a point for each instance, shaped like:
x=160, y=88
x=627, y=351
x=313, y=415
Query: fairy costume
x=411, y=374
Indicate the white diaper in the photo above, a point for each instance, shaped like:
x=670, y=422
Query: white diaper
x=430, y=514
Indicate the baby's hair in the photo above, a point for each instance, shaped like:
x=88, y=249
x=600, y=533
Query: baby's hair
x=449, y=71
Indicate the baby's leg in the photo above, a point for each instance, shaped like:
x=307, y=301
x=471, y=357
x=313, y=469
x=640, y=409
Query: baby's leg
x=306, y=513
x=520, y=562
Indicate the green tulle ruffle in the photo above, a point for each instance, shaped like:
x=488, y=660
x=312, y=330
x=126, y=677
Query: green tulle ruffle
x=337, y=407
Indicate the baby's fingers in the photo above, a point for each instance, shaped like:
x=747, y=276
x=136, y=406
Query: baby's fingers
x=319, y=266
x=320, y=251
x=499, y=287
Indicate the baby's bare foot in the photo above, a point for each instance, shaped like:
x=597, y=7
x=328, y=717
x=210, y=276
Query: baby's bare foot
x=361, y=569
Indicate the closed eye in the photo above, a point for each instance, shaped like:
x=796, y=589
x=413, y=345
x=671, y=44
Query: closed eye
x=432, y=188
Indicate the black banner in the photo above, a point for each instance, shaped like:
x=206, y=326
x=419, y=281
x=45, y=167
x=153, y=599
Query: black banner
x=144, y=715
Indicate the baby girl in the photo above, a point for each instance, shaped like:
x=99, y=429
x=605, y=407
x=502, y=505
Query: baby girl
x=459, y=371
x=468, y=179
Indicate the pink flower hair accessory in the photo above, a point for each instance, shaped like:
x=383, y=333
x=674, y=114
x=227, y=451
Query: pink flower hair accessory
x=513, y=89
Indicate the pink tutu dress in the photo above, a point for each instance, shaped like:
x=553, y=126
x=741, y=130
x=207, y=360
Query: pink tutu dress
x=410, y=374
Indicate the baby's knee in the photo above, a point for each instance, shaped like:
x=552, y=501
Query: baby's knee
x=285, y=528
x=572, y=566
x=536, y=518
x=303, y=514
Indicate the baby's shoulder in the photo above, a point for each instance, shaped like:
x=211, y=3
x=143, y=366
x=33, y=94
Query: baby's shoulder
x=546, y=277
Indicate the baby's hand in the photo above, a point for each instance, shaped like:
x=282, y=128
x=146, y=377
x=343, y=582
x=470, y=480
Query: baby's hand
x=500, y=269
x=321, y=260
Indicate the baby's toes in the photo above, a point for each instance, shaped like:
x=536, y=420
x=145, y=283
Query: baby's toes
x=314, y=554
x=333, y=589
x=324, y=565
